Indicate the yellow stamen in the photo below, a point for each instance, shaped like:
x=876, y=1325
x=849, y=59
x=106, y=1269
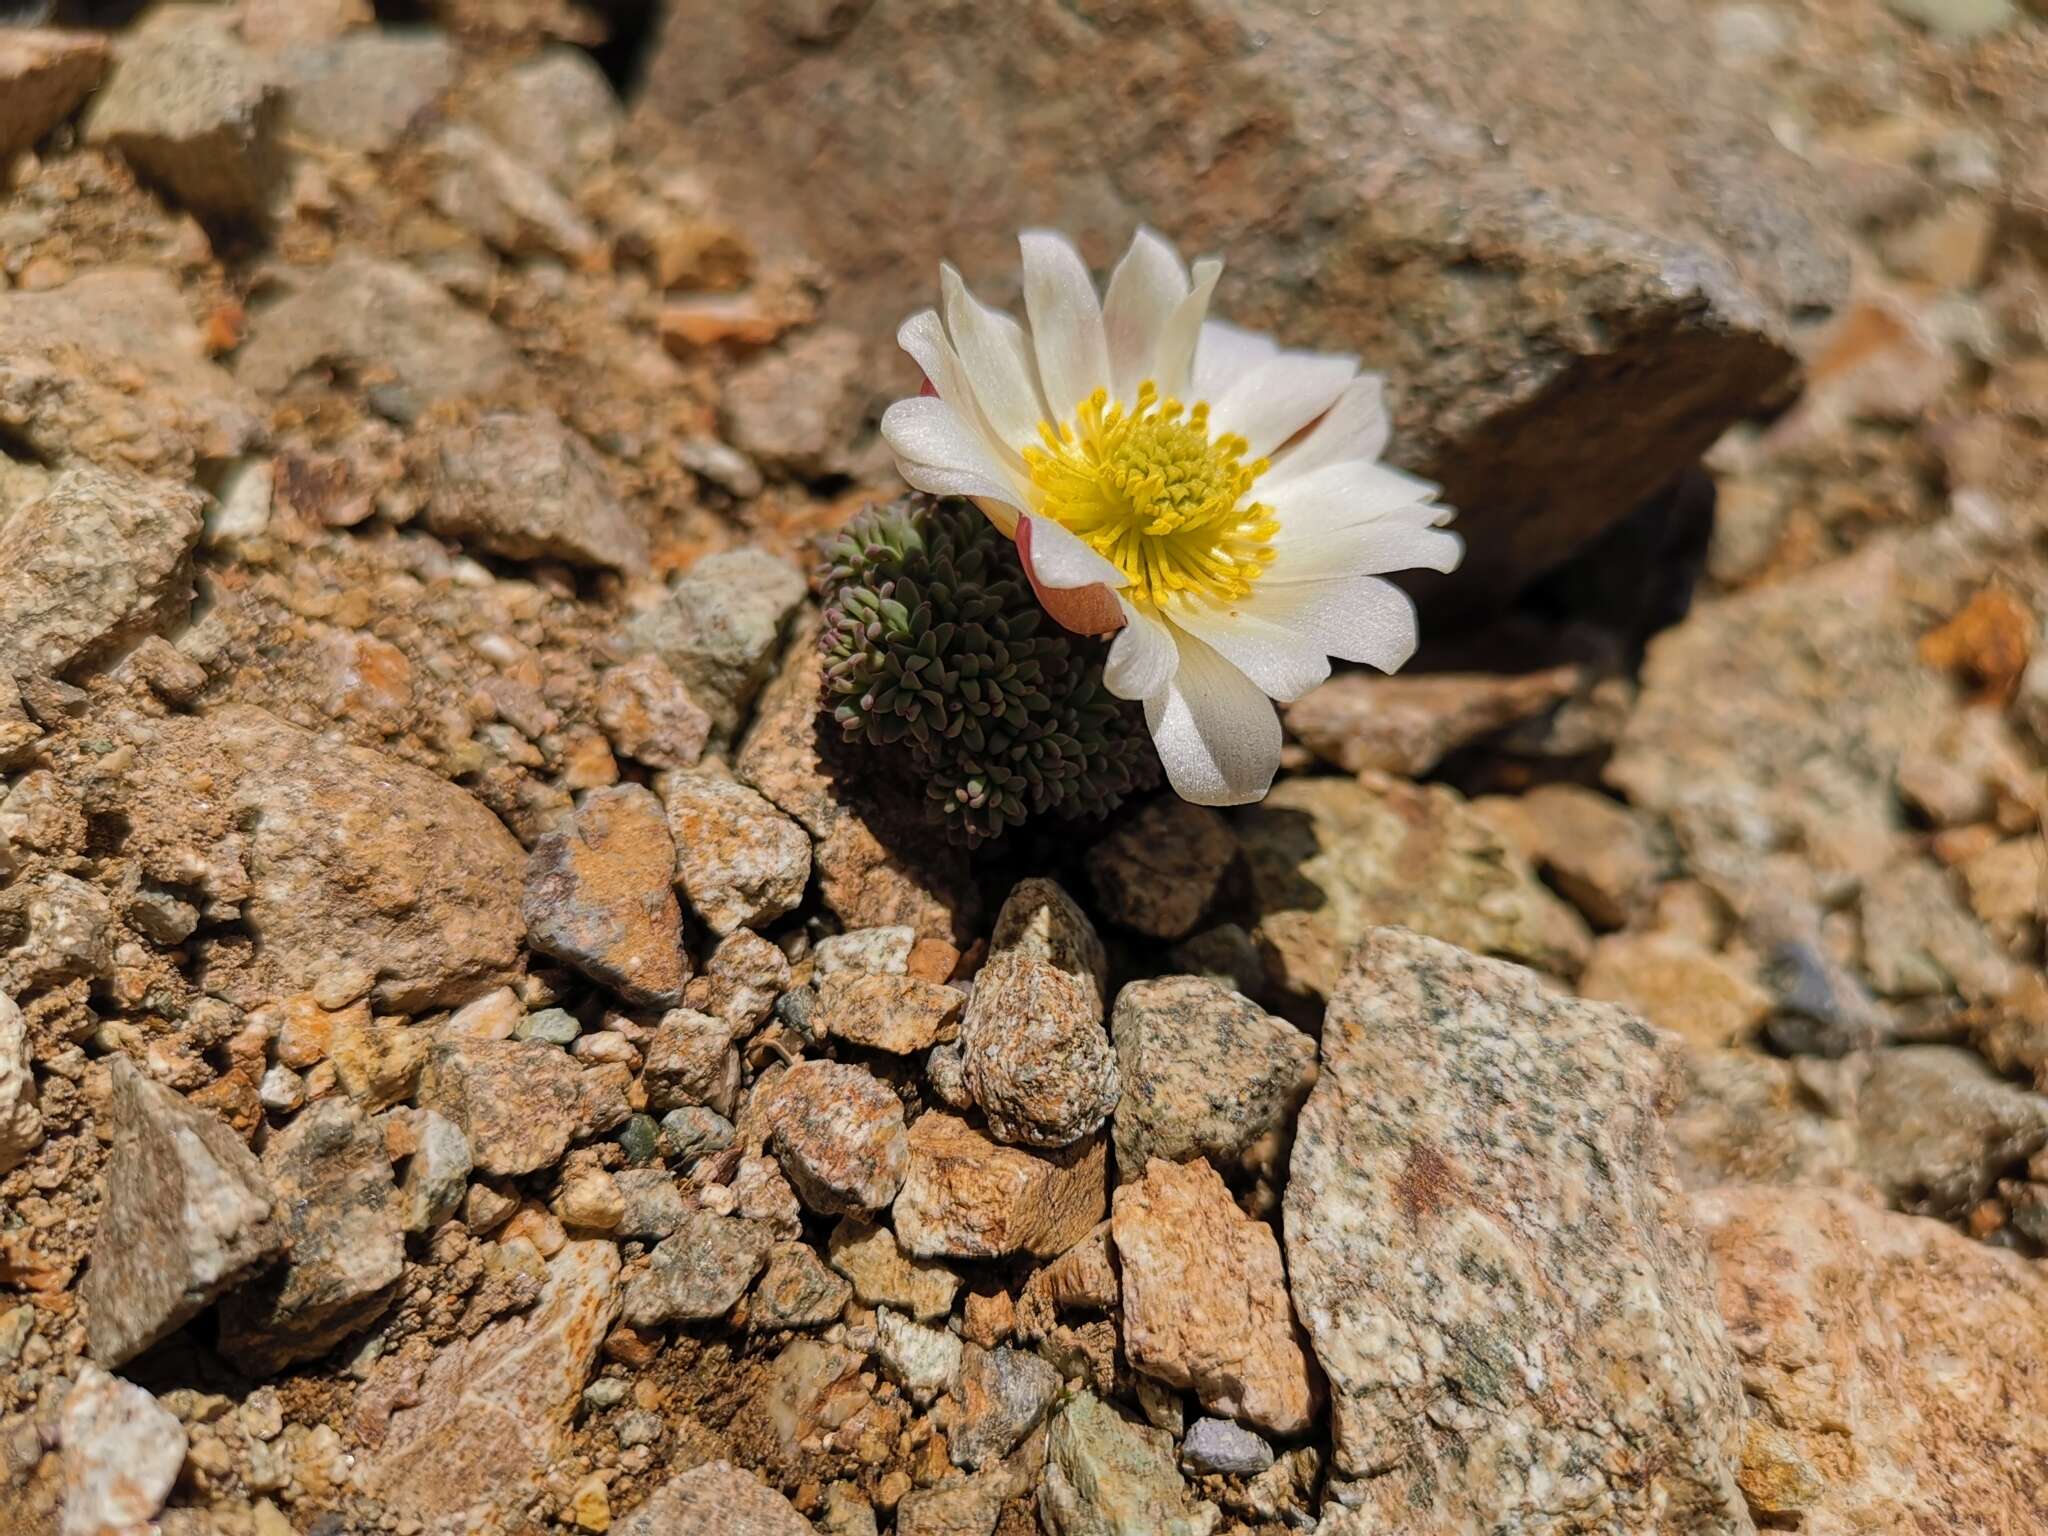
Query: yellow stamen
x=1151, y=492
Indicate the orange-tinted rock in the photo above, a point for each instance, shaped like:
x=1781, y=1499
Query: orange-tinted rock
x=968, y=1197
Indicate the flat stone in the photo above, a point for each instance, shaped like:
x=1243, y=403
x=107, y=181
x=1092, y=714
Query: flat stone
x=720, y=629
x=1678, y=985
x=698, y=1274
x=1105, y=1476
x=122, y=1452
x=503, y=201
x=517, y=1102
x=21, y=1120
x=1003, y=1394
x=599, y=895
x=1360, y=721
x=361, y=92
x=1517, y=288
x=649, y=716
x=188, y=1214
x=1157, y=872
x=838, y=1131
x=864, y=951
x=799, y=407
x=691, y=1061
x=716, y=1499
x=493, y=1411
x=796, y=1290
x=364, y=314
x=1218, y=1445
x=1596, y=851
x=523, y=485
x=342, y=1213
x=968, y=1197
x=44, y=74
x=882, y=1012
x=196, y=114
x=1331, y=859
x=1206, y=1073
x=555, y=111
x=1892, y=1365
x=739, y=860
x=925, y=1362
x=1493, y=1265
x=1937, y=1128
x=882, y=1275
x=436, y=1176
x=1205, y=1298
x=110, y=369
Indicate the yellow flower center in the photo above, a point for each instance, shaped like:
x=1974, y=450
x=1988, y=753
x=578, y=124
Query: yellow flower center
x=1154, y=494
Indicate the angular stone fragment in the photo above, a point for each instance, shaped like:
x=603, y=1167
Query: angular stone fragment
x=1892, y=1365
x=1678, y=985
x=1920, y=940
x=691, y=1061
x=798, y=408
x=1489, y=1254
x=1033, y=1052
x=898, y=1014
x=504, y=202
x=716, y=1499
x=361, y=313
x=1516, y=288
x=741, y=862
x=333, y=1176
x=110, y=369
x=923, y=1361
x=1205, y=1298
x=698, y=1274
x=864, y=951
x=188, y=1214
x=1105, y=1476
x=882, y=1275
x=517, y=1102
x=599, y=895
x=361, y=92
x=1937, y=1128
x=720, y=629
x=838, y=1131
x=965, y=1196
x=523, y=485
x=436, y=1175
x=1331, y=859
x=21, y=1121
x=1218, y=1445
x=1206, y=1073
x=122, y=1452
x=797, y=1291
x=1158, y=871
x=649, y=716
x=1594, y=849
x=493, y=1411
x=44, y=73
x=1003, y=1393
x=1744, y=1117
x=555, y=111
x=1407, y=725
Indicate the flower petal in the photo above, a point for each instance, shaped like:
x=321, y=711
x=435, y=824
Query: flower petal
x=1356, y=618
x=1343, y=495
x=1370, y=549
x=939, y=451
x=1356, y=427
x=1225, y=354
x=1070, y=588
x=1217, y=735
x=1144, y=291
x=1281, y=396
x=1066, y=321
x=923, y=336
x=997, y=361
x=1283, y=663
x=1178, y=342
x=1142, y=658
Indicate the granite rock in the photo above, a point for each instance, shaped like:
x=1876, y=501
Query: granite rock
x=523, y=485
x=796, y=1290
x=882, y=1012
x=883, y=1275
x=965, y=1196
x=1706, y=999
x=122, y=1453
x=21, y=1120
x=699, y=1273
x=838, y=1131
x=720, y=629
x=599, y=894
x=739, y=860
x=517, y=1102
x=715, y=1499
x=1105, y=1476
x=555, y=111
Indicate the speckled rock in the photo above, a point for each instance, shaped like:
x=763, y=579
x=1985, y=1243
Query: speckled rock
x=1489, y=1254
x=333, y=1176
x=1677, y=984
x=1893, y=1367
x=716, y=1499
x=436, y=1175
x=504, y=202
x=899, y=1014
x=740, y=861
x=691, y=1061
x=882, y=1275
x=98, y=561
x=1219, y=1445
x=925, y=1362
x=1157, y=871
x=968, y=1197
x=1205, y=1298
x=493, y=1411
x=21, y=1120
x=361, y=92
x=1937, y=1128
x=46, y=73
x=720, y=629
x=1105, y=1476
x=523, y=485
x=1041, y=922
x=699, y=1273
x=599, y=895
x=1407, y=725
x=649, y=716
x=1331, y=859
x=839, y=1133
x=1002, y=1396
x=1920, y=940
x=796, y=1290
x=1206, y=1073
x=747, y=976
x=870, y=951
x=517, y=1102
x=122, y=1452
x=1594, y=849
x=188, y=1213
x=555, y=111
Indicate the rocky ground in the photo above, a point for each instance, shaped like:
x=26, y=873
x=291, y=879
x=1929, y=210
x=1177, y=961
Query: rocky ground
x=468, y=1063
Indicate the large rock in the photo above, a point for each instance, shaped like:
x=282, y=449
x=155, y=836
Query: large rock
x=599, y=895
x=188, y=1214
x=110, y=369
x=525, y=486
x=122, y=1452
x=1548, y=224
x=99, y=560
x=1490, y=1256
x=968, y=1197
x=716, y=1499
x=333, y=1176
x=1894, y=1368
x=516, y=1102
x=1331, y=859
x=492, y=1412
x=43, y=75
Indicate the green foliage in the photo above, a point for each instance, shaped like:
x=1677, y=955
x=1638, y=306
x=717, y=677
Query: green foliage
x=935, y=647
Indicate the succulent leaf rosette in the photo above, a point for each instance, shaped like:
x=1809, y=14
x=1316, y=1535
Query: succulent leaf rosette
x=1214, y=501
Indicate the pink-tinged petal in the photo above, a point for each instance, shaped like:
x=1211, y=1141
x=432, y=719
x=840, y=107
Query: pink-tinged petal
x=1144, y=291
x=1217, y=735
x=1281, y=396
x=1226, y=354
x=1077, y=599
x=1178, y=342
x=1356, y=427
x=1066, y=321
x=1142, y=658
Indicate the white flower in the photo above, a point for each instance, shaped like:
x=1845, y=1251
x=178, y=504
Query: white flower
x=1213, y=499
